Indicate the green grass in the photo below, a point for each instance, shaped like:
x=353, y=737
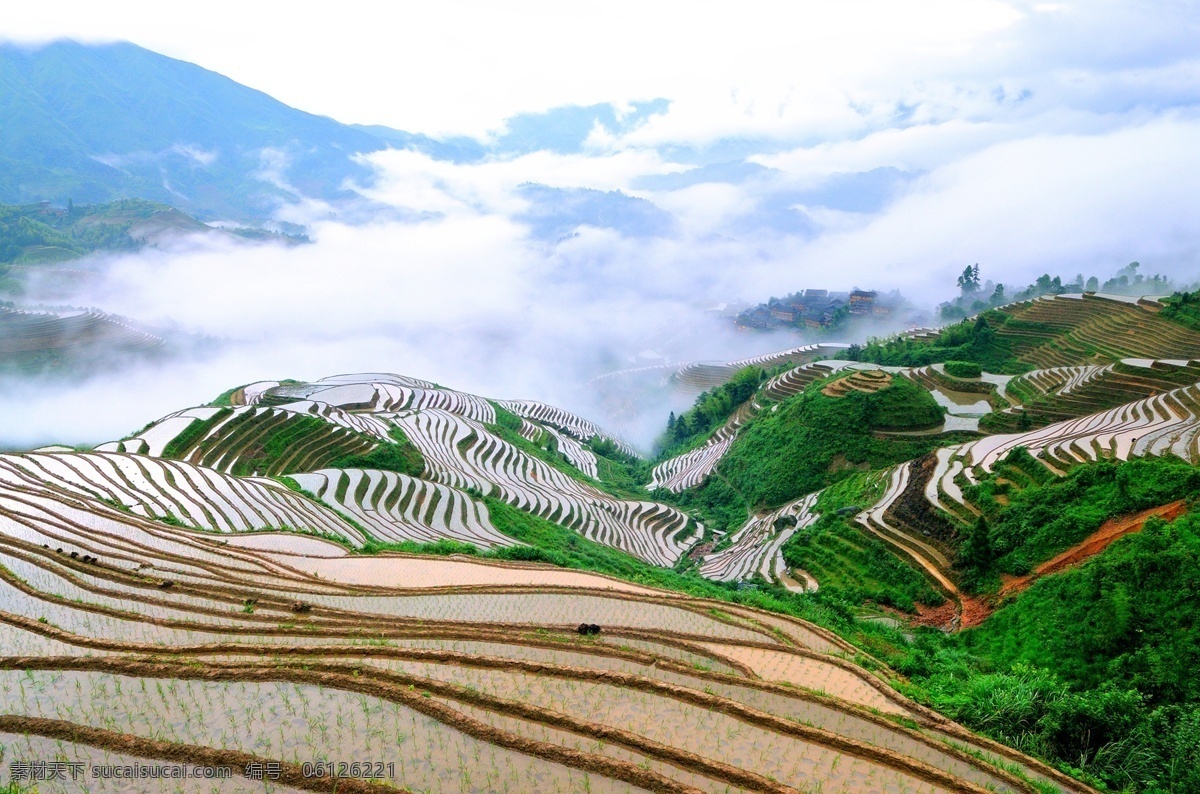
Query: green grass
x=401, y=456
x=1044, y=518
x=621, y=471
x=963, y=369
x=972, y=340
x=855, y=491
x=178, y=446
x=814, y=440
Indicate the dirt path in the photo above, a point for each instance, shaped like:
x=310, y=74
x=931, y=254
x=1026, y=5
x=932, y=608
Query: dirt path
x=1095, y=543
x=971, y=611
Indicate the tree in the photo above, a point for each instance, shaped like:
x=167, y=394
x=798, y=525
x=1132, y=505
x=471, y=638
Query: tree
x=998, y=295
x=949, y=311
x=1093, y=284
x=976, y=553
x=968, y=282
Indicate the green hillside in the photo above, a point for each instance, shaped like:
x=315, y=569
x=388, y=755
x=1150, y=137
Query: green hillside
x=1094, y=666
x=1075, y=650
x=38, y=233
x=99, y=122
x=814, y=439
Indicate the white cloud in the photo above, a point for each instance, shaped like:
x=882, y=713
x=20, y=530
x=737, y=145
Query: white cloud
x=1040, y=139
x=1054, y=203
x=466, y=66
x=414, y=180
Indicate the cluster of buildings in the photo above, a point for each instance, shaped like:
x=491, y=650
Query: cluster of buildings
x=817, y=308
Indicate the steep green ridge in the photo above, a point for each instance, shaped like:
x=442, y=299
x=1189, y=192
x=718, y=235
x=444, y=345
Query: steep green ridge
x=1046, y=518
x=1093, y=668
x=813, y=439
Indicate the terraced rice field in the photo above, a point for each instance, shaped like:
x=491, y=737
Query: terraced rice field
x=28, y=336
x=755, y=547
x=396, y=507
x=463, y=454
x=1075, y=330
x=575, y=426
x=171, y=597
x=298, y=429
x=193, y=495
x=297, y=436
x=126, y=638
x=1060, y=393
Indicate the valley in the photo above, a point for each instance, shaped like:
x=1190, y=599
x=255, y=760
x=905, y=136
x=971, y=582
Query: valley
x=370, y=555
x=800, y=398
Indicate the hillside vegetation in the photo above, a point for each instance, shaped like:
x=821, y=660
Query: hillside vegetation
x=34, y=234
x=813, y=440
x=893, y=548
x=1183, y=308
x=1094, y=666
x=1036, y=522
x=709, y=411
x=852, y=566
x=973, y=340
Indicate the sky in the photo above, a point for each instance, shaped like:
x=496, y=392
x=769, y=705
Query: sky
x=637, y=161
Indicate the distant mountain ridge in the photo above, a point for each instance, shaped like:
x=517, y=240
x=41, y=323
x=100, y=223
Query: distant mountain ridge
x=98, y=122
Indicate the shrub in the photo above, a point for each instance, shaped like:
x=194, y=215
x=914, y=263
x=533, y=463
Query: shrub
x=963, y=369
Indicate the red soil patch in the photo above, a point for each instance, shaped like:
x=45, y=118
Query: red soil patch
x=974, y=612
x=951, y=616
x=941, y=617
x=1095, y=543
